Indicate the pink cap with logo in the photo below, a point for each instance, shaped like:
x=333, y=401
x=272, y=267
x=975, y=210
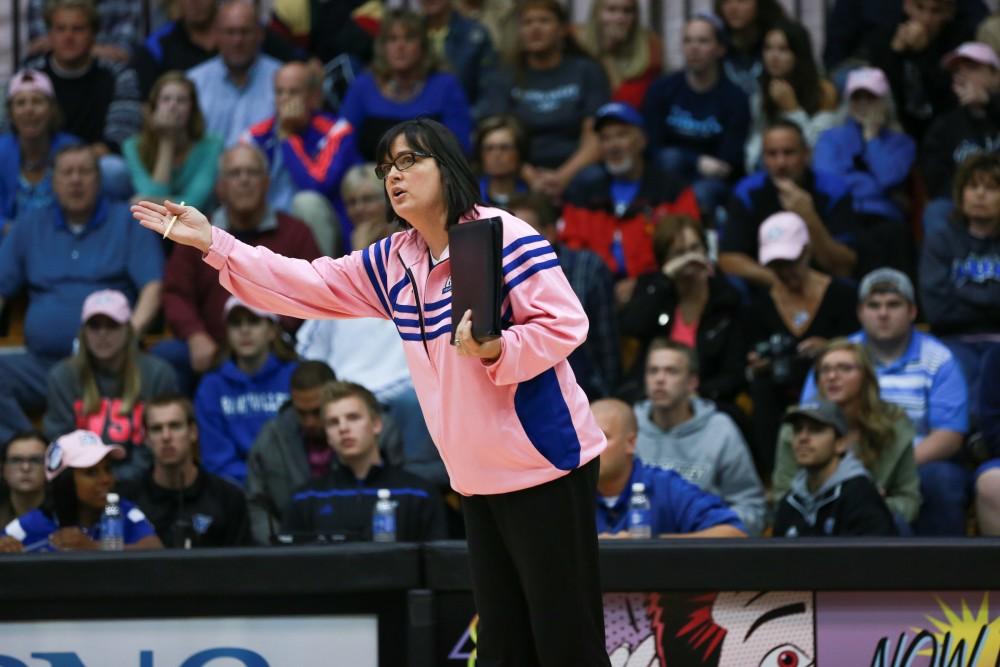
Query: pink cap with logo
x=977, y=52
x=108, y=302
x=233, y=302
x=31, y=80
x=79, y=449
x=782, y=236
x=871, y=79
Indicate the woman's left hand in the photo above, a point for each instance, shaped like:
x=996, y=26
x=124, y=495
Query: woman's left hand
x=72, y=539
x=469, y=346
x=783, y=95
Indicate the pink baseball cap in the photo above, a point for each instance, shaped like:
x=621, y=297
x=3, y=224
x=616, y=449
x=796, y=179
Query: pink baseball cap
x=871, y=79
x=782, y=236
x=108, y=302
x=28, y=80
x=79, y=449
x=977, y=52
x=233, y=302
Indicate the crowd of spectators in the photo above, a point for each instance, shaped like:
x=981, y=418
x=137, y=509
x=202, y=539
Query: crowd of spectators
x=790, y=264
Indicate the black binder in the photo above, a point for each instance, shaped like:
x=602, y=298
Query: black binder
x=475, y=250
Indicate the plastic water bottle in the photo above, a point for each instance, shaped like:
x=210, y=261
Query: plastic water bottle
x=112, y=525
x=640, y=514
x=384, y=518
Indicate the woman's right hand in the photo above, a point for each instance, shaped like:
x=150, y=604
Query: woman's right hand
x=8, y=545
x=192, y=227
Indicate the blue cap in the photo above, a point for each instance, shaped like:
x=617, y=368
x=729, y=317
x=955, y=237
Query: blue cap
x=617, y=111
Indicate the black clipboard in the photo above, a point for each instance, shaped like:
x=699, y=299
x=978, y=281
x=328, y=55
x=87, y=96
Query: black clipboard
x=475, y=251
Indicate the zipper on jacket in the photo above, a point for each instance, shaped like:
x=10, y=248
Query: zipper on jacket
x=420, y=309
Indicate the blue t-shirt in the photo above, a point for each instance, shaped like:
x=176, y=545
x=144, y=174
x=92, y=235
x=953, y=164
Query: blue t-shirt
x=678, y=505
x=33, y=529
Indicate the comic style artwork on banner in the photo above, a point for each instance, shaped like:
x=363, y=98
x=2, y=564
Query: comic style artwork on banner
x=793, y=629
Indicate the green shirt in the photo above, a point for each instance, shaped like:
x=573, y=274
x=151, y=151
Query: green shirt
x=192, y=182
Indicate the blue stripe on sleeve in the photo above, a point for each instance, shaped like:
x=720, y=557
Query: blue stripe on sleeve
x=371, y=276
x=530, y=272
x=535, y=252
x=524, y=240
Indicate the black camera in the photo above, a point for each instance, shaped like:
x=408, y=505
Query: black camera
x=782, y=351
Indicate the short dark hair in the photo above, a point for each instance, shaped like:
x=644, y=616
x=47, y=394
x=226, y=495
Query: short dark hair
x=30, y=434
x=78, y=148
x=311, y=374
x=537, y=202
x=786, y=124
x=163, y=400
x=661, y=343
x=501, y=122
x=976, y=165
x=85, y=6
x=337, y=391
x=461, y=190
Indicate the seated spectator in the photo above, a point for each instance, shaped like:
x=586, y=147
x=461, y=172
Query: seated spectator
x=597, y=362
x=26, y=151
x=188, y=506
x=406, y=80
x=960, y=270
x=106, y=384
x=62, y=254
x=119, y=25
x=788, y=183
x=342, y=503
x=172, y=157
x=791, y=87
x=632, y=55
x=610, y=207
x=189, y=39
x=988, y=474
x=869, y=150
x=682, y=432
x=500, y=20
x=910, y=54
x=308, y=151
x=697, y=120
x=290, y=450
x=79, y=477
x=466, y=46
x=330, y=31
x=99, y=98
x=23, y=485
x=746, y=22
x=973, y=127
x=679, y=508
x=500, y=149
x=193, y=299
x=880, y=432
x=555, y=89
x=919, y=374
x=235, y=400
x=851, y=22
x=831, y=494
x=236, y=87
x=369, y=349
x=792, y=323
x=690, y=302
x=363, y=194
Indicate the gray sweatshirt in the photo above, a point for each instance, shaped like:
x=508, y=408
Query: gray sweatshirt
x=708, y=450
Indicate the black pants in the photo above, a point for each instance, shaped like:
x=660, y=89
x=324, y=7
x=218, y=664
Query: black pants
x=535, y=577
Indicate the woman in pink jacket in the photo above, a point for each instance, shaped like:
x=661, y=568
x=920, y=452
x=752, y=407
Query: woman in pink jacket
x=513, y=427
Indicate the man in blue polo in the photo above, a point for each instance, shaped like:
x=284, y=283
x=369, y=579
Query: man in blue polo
x=60, y=255
x=678, y=506
x=918, y=373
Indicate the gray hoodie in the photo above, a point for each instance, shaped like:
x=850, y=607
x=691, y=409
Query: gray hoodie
x=808, y=503
x=708, y=450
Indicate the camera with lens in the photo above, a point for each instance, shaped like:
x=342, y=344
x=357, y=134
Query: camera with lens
x=782, y=351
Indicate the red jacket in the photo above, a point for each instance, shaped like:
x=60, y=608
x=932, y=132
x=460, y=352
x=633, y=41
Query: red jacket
x=192, y=296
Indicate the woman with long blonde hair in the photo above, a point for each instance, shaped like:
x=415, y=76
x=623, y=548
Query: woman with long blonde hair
x=881, y=434
x=103, y=387
x=172, y=157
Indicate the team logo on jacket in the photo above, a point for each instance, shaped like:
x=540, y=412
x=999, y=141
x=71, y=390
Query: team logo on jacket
x=201, y=522
x=447, y=286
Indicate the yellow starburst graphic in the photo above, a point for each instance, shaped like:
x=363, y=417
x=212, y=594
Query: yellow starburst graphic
x=977, y=633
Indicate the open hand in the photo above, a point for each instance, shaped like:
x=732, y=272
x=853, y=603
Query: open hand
x=192, y=227
x=469, y=346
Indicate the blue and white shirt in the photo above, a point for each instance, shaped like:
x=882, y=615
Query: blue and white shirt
x=926, y=381
x=33, y=529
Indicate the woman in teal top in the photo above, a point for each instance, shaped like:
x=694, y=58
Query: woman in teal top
x=172, y=157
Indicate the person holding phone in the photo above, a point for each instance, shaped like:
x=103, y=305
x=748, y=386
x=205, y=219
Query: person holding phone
x=513, y=428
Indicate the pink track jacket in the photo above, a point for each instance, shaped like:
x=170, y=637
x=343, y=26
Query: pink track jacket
x=518, y=422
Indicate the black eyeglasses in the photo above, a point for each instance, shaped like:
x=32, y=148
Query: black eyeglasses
x=402, y=162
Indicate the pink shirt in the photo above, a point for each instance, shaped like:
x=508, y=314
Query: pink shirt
x=512, y=424
x=682, y=332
